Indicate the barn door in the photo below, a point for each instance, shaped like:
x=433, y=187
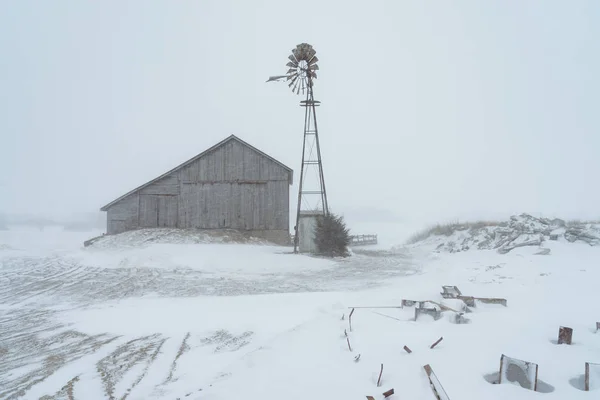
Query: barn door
x=158, y=211
x=167, y=211
x=148, y=211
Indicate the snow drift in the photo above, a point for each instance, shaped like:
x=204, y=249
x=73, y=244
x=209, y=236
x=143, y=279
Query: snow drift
x=143, y=237
x=521, y=230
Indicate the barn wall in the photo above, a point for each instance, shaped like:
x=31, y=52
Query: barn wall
x=168, y=185
x=232, y=162
x=278, y=205
x=232, y=187
x=123, y=216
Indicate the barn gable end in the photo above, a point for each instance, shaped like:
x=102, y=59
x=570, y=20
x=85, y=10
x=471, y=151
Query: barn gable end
x=232, y=185
x=123, y=216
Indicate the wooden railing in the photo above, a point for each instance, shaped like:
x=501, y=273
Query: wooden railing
x=361, y=240
x=355, y=240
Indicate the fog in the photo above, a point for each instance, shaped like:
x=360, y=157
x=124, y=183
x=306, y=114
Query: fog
x=430, y=110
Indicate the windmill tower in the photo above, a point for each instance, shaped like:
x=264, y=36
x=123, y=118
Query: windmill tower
x=312, y=196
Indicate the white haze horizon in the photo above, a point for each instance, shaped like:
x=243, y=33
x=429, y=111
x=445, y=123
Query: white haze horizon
x=430, y=111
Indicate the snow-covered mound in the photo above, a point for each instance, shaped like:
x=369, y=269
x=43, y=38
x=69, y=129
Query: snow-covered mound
x=520, y=230
x=144, y=237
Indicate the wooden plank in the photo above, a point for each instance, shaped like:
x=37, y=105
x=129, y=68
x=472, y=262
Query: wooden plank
x=565, y=335
x=523, y=372
x=436, y=387
x=492, y=300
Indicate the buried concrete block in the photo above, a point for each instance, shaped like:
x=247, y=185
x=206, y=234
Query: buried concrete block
x=565, y=335
x=434, y=383
x=515, y=370
x=592, y=376
x=450, y=292
x=427, y=307
x=409, y=303
x=434, y=312
x=468, y=300
x=459, y=318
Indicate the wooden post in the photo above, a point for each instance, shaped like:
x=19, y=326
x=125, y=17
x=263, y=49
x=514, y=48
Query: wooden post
x=587, y=377
x=380, y=373
x=388, y=393
x=407, y=349
x=349, y=347
x=565, y=335
x=597, y=326
x=500, y=370
x=436, y=343
x=350, y=319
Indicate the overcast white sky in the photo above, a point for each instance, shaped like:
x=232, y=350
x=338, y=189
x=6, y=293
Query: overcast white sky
x=460, y=109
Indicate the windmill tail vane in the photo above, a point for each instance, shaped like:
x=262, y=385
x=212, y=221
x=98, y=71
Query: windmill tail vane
x=276, y=78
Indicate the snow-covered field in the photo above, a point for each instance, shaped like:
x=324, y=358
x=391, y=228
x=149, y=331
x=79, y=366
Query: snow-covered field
x=173, y=320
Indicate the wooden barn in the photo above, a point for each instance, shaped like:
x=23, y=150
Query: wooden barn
x=232, y=185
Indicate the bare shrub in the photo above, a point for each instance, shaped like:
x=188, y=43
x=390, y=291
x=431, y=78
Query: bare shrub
x=448, y=229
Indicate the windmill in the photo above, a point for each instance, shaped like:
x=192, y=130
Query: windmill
x=312, y=196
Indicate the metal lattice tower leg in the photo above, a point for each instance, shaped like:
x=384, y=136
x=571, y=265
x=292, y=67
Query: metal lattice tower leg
x=312, y=195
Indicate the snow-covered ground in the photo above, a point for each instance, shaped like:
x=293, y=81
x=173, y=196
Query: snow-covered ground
x=174, y=320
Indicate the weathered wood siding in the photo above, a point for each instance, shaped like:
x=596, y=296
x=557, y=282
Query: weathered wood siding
x=123, y=216
x=159, y=203
x=168, y=185
x=232, y=186
x=232, y=162
x=158, y=211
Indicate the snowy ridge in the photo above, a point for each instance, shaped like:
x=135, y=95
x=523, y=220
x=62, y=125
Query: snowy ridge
x=521, y=230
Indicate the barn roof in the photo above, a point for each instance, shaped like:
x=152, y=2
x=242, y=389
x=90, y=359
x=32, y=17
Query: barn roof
x=191, y=160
